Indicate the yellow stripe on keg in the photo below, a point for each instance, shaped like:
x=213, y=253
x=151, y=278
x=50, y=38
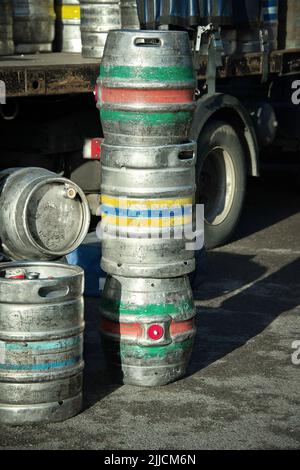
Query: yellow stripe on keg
x=126, y=203
x=137, y=222
x=68, y=12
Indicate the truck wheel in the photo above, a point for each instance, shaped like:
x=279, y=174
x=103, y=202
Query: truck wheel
x=221, y=180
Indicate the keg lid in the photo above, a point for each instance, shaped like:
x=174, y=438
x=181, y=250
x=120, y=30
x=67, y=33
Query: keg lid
x=57, y=215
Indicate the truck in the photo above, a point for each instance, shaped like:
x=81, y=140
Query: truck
x=247, y=111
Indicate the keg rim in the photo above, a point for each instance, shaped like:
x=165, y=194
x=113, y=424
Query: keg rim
x=86, y=217
x=75, y=271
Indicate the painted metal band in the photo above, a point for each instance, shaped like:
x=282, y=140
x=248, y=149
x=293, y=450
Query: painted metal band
x=44, y=366
x=150, y=222
x=176, y=210
x=40, y=345
x=139, y=204
x=68, y=12
x=136, y=330
x=144, y=352
x=134, y=96
x=149, y=118
x=147, y=74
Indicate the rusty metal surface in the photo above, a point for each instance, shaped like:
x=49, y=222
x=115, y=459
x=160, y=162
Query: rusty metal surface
x=281, y=62
x=48, y=74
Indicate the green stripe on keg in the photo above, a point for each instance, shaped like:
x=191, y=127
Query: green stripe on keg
x=43, y=345
x=148, y=74
x=146, y=118
x=123, y=308
x=149, y=352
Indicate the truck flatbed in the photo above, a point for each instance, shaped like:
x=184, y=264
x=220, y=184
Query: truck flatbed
x=63, y=73
x=48, y=74
x=281, y=62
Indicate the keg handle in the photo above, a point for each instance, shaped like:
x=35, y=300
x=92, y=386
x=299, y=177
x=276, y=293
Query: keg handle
x=53, y=292
x=147, y=42
x=186, y=155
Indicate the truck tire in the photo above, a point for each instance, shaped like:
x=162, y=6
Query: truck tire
x=221, y=180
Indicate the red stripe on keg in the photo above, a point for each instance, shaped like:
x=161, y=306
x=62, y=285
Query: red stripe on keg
x=125, y=95
x=136, y=330
x=177, y=328
x=121, y=329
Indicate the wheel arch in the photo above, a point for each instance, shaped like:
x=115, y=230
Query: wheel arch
x=229, y=109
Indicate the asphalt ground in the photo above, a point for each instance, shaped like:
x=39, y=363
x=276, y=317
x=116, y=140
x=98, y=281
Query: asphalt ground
x=242, y=390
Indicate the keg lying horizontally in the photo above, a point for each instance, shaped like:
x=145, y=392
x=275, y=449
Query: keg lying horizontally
x=41, y=342
x=148, y=329
x=42, y=215
x=147, y=196
x=146, y=88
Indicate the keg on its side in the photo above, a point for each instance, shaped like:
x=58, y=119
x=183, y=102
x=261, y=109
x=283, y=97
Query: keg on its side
x=146, y=88
x=98, y=17
x=147, y=328
x=42, y=215
x=34, y=25
x=68, y=35
x=129, y=14
x=6, y=28
x=147, y=198
x=41, y=342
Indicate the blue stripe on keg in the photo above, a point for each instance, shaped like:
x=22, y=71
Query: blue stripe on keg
x=45, y=366
x=270, y=3
x=270, y=18
x=152, y=213
x=43, y=345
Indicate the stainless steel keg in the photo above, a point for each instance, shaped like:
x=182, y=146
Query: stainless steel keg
x=42, y=215
x=147, y=198
x=147, y=328
x=34, y=25
x=129, y=14
x=41, y=342
x=98, y=17
x=6, y=28
x=146, y=88
x=68, y=35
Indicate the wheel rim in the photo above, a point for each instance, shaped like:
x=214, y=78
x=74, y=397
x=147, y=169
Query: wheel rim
x=216, y=185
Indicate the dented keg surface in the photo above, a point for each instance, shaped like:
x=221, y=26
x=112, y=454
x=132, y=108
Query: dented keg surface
x=6, y=28
x=34, y=25
x=146, y=88
x=98, y=17
x=42, y=215
x=129, y=14
x=41, y=342
x=68, y=35
x=148, y=328
x=147, y=199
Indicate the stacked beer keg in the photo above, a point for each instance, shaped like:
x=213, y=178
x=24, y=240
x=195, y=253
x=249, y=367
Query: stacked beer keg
x=42, y=217
x=145, y=94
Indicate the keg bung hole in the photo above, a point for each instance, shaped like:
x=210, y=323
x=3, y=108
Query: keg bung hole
x=147, y=42
x=152, y=285
x=53, y=292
